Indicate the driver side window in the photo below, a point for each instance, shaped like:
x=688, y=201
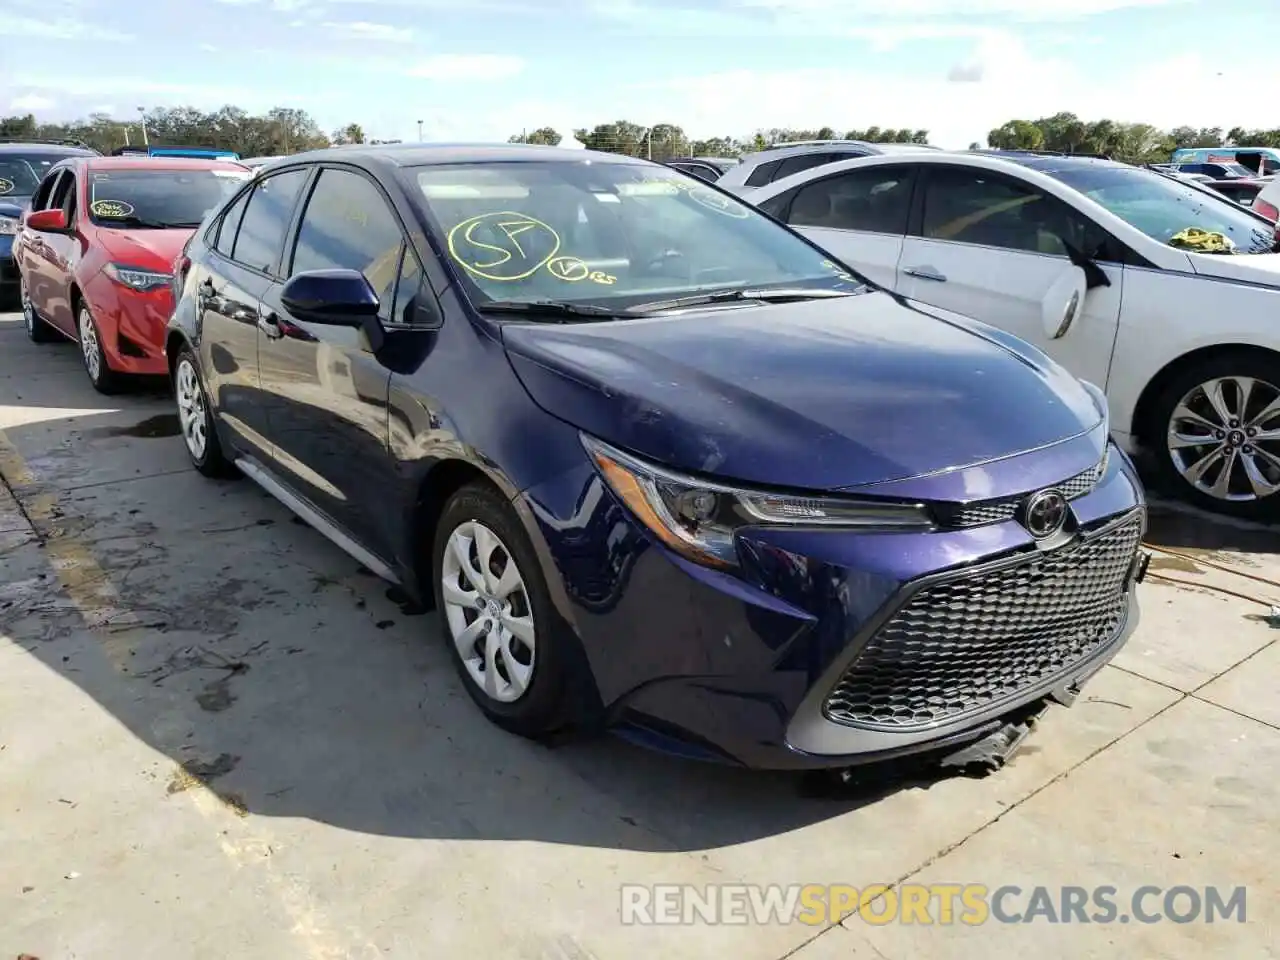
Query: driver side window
x=971, y=205
x=44, y=192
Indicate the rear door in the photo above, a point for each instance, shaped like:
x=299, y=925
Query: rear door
x=859, y=215
x=246, y=243
x=324, y=390
x=34, y=257
x=990, y=246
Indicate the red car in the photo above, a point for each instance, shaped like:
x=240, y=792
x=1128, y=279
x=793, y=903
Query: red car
x=95, y=254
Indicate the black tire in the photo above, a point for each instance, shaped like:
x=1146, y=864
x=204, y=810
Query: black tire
x=553, y=699
x=212, y=461
x=37, y=330
x=105, y=380
x=1243, y=363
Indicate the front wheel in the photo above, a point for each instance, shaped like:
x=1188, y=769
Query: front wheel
x=1217, y=435
x=104, y=379
x=512, y=650
x=196, y=420
x=37, y=330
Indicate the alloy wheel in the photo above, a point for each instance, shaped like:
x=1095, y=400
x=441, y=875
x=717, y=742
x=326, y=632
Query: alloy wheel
x=488, y=611
x=1224, y=438
x=89, y=346
x=191, y=409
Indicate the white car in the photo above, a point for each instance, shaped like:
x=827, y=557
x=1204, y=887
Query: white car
x=1161, y=291
x=1267, y=202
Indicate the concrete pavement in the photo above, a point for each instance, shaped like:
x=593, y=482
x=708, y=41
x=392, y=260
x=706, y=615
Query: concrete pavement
x=219, y=736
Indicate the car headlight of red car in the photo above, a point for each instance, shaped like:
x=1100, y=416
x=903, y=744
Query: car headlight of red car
x=137, y=279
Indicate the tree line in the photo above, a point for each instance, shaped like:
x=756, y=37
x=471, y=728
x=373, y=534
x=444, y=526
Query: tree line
x=284, y=130
x=1062, y=132
x=279, y=131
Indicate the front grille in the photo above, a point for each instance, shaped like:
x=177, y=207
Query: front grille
x=967, y=643
x=998, y=511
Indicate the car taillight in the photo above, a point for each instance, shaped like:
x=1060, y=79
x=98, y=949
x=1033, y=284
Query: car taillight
x=1268, y=210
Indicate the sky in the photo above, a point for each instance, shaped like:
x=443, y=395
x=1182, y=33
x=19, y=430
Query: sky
x=485, y=69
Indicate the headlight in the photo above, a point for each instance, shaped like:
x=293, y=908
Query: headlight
x=698, y=518
x=8, y=226
x=135, y=278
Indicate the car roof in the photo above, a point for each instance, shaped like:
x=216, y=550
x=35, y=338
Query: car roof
x=36, y=148
x=426, y=154
x=158, y=163
x=1051, y=164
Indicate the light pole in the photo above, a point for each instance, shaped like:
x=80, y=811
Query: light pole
x=142, y=120
x=419, y=131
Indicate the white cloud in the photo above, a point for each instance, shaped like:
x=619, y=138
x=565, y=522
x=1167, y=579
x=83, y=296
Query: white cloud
x=364, y=30
x=208, y=48
x=62, y=28
x=468, y=67
x=31, y=103
x=1041, y=10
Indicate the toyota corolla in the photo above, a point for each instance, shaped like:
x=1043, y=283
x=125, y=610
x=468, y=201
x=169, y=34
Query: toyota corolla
x=658, y=462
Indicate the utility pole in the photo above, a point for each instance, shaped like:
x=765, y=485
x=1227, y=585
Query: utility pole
x=142, y=119
x=419, y=131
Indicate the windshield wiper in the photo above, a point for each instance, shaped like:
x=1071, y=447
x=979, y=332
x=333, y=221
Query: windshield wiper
x=135, y=222
x=551, y=308
x=775, y=295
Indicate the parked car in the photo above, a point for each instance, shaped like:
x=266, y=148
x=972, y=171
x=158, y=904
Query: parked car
x=1183, y=337
x=1267, y=202
x=1240, y=189
x=660, y=464
x=95, y=253
x=23, y=164
x=1224, y=170
x=707, y=170
x=784, y=159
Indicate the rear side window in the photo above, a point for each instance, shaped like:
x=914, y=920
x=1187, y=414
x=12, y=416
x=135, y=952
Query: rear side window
x=763, y=174
x=266, y=219
x=876, y=200
x=348, y=225
x=229, y=224
x=808, y=161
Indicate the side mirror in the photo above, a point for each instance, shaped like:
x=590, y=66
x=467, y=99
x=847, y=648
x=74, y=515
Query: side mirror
x=1064, y=302
x=340, y=298
x=47, y=221
x=1094, y=275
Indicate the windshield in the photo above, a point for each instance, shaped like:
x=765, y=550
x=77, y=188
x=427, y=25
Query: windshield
x=610, y=234
x=20, y=174
x=1182, y=216
x=158, y=198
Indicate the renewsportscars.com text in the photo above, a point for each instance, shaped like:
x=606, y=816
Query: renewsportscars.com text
x=969, y=904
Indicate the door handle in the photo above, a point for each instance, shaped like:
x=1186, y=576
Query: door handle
x=926, y=273
x=269, y=324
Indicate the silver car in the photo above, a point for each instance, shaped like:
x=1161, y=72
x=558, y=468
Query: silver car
x=773, y=163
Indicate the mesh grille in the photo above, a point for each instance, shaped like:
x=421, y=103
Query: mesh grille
x=964, y=644
x=998, y=511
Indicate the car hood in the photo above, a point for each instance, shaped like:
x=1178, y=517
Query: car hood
x=1256, y=267
x=147, y=249
x=821, y=394
x=16, y=200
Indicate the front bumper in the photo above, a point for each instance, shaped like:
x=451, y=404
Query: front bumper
x=830, y=649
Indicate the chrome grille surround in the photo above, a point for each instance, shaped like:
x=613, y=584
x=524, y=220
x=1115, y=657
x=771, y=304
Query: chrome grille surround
x=961, y=644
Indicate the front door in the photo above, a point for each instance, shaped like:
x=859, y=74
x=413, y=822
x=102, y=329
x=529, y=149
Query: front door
x=38, y=254
x=326, y=393
x=991, y=247
x=247, y=242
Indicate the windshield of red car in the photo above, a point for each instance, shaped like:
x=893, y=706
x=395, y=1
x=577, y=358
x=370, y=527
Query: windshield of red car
x=158, y=199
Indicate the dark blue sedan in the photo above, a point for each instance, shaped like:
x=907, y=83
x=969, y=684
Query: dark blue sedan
x=660, y=464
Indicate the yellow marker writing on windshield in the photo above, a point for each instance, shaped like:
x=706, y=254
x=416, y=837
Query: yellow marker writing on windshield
x=6, y=186
x=504, y=245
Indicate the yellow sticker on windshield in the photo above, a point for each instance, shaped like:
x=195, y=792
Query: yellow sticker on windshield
x=503, y=246
x=718, y=202
x=598, y=276
x=111, y=209
x=6, y=186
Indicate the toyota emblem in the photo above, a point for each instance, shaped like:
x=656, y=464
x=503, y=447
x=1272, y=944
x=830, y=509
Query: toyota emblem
x=1045, y=513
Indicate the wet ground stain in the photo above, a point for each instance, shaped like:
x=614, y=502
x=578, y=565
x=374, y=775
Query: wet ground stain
x=216, y=696
x=163, y=425
x=195, y=773
x=1180, y=564
x=405, y=602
